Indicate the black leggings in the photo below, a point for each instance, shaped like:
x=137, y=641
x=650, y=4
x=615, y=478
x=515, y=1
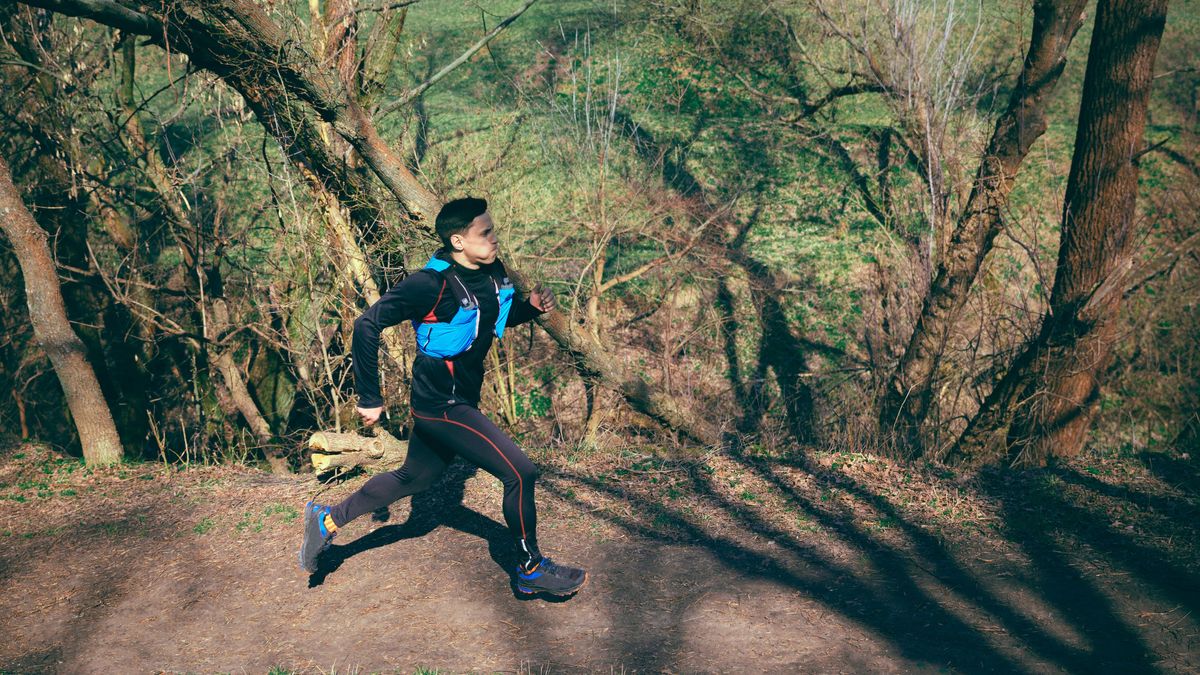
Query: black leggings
x=435, y=440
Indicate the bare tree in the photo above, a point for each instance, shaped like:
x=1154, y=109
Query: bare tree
x=1044, y=405
x=627, y=224
x=920, y=60
x=48, y=313
x=909, y=394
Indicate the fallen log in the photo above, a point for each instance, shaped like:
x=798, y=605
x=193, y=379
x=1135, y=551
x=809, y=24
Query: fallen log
x=347, y=450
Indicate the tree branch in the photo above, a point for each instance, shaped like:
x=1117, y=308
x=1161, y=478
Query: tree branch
x=106, y=12
x=413, y=93
x=386, y=8
x=639, y=271
x=1160, y=264
x=851, y=89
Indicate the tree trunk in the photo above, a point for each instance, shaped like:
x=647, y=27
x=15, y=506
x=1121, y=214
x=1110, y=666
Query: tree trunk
x=39, y=112
x=48, y=313
x=381, y=49
x=238, y=392
x=336, y=37
x=282, y=84
x=909, y=394
x=1052, y=392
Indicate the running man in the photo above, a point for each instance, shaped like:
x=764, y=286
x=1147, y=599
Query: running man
x=457, y=304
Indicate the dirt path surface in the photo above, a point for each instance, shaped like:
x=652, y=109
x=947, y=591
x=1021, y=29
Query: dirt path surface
x=824, y=564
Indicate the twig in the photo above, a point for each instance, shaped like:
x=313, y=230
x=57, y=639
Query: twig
x=695, y=238
x=413, y=93
x=1150, y=148
x=34, y=66
x=1161, y=263
x=388, y=7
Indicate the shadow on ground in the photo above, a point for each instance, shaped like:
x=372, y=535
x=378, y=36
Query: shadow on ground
x=801, y=563
x=1066, y=589
x=442, y=505
x=1054, y=582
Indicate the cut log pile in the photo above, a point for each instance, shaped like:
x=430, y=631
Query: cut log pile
x=341, y=451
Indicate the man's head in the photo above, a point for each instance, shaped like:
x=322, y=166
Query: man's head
x=466, y=231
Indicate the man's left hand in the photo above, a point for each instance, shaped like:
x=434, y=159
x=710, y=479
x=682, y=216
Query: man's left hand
x=542, y=299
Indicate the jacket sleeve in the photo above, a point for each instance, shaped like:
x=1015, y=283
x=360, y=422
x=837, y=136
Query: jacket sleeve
x=409, y=300
x=521, y=312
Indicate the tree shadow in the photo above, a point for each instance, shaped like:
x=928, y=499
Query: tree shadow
x=1182, y=474
x=747, y=389
x=931, y=602
x=1090, y=525
x=1165, y=469
x=779, y=349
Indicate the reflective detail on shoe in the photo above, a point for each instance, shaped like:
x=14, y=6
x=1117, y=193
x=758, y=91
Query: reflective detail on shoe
x=549, y=577
x=320, y=513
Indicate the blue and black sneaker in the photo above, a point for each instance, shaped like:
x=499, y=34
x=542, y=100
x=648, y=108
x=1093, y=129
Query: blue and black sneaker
x=316, y=536
x=549, y=577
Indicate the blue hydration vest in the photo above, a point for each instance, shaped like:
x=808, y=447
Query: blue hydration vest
x=445, y=340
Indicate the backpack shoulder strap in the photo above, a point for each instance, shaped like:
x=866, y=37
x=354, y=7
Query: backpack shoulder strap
x=455, y=284
x=500, y=274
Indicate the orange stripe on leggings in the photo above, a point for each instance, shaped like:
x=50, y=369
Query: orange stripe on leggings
x=520, y=483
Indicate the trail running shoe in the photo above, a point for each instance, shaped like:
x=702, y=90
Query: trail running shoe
x=316, y=536
x=548, y=577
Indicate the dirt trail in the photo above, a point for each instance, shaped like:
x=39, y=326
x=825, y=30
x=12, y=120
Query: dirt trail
x=144, y=570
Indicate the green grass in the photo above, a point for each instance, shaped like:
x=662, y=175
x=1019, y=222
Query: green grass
x=271, y=514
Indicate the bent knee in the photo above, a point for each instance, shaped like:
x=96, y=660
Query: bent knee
x=421, y=481
x=528, y=473
x=519, y=473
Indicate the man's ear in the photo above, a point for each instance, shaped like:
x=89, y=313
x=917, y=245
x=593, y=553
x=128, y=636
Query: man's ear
x=456, y=242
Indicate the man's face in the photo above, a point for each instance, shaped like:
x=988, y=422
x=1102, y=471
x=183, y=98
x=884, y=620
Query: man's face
x=478, y=242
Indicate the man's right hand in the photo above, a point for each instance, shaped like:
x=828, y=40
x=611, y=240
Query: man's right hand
x=370, y=415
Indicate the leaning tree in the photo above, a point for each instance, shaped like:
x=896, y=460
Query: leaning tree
x=1044, y=405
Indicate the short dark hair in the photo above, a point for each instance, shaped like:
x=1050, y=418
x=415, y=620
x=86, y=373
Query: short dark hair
x=457, y=215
